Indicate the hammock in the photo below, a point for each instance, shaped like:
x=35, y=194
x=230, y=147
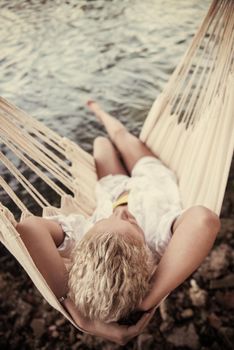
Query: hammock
x=190, y=127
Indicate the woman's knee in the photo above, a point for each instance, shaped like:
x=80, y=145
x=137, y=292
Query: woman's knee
x=100, y=143
x=27, y=224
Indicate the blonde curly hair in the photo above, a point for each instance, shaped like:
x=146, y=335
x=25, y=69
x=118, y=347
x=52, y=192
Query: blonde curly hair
x=110, y=275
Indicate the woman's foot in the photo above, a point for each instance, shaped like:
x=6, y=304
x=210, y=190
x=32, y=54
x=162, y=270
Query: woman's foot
x=111, y=124
x=96, y=109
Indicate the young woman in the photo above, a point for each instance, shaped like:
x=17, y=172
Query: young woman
x=138, y=245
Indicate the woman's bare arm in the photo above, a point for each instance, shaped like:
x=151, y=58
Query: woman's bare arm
x=194, y=235
x=41, y=237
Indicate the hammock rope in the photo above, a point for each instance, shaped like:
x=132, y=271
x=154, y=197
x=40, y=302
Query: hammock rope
x=190, y=127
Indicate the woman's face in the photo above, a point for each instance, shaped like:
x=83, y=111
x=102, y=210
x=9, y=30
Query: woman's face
x=122, y=222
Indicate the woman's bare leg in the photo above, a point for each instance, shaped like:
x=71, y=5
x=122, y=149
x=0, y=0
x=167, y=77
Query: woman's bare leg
x=106, y=158
x=111, y=124
x=129, y=146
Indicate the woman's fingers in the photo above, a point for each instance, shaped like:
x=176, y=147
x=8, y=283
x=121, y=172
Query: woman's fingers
x=142, y=323
x=119, y=334
x=126, y=334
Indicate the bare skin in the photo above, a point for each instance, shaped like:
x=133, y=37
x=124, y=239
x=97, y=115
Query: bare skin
x=194, y=233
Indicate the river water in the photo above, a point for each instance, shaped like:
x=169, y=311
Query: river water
x=54, y=55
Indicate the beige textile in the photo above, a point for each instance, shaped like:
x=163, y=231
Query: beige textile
x=190, y=127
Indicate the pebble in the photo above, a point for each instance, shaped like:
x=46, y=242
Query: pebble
x=214, y=320
x=144, y=341
x=227, y=334
x=163, y=308
x=76, y=346
x=197, y=295
x=187, y=313
x=225, y=299
x=38, y=326
x=52, y=328
x=216, y=263
x=55, y=334
x=166, y=326
x=60, y=322
x=184, y=336
x=226, y=282
x=23, y=311
x=227, y=227
x=3, y=283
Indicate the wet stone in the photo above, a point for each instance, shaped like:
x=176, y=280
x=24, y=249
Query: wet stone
x=216, y=263
x=165, y=326
x=38, y=326
x=227, y=334
x=184, y=336
x=197, y=295
x=23, y=311
x=214, y=320
x=187, y=313
x=76, y=346
x=52, y=328
x=144, y=341
x=225, y=299
x=227, y=228
x=72, y=335
x=164, y=310
x=60, y=322
x=226, y=282
x=3, y=283
x=55, y=334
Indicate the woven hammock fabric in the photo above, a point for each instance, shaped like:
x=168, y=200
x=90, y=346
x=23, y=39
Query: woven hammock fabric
x=191, y=124
x=190, y=127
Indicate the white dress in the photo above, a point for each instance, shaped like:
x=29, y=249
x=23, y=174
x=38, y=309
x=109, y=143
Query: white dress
x=154, y=200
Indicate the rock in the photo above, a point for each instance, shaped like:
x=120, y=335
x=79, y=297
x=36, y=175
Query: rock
x=144, y=341
x=226, y=208
x=23, y=311
x=225, y=299
x=3, y=283
x=168, y=321
x=55, y=334
x=166, y=326
x=214, y=320
x=187, y=313
x=60, y=322
x=72, y=335
x=214, y=346
x=184, y=336
x=216, y=263
x=227, y=226
x=76, y=346
x=38, y=326
x=164, y=311
x=180, y=298
x=52, y=328
x=227, y=334
x=226, y=282
x=197, y=295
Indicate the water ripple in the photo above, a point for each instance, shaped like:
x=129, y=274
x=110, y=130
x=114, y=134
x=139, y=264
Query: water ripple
x=55, y=54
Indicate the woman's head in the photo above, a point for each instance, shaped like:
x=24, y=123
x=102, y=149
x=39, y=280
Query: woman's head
x=111, y=268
